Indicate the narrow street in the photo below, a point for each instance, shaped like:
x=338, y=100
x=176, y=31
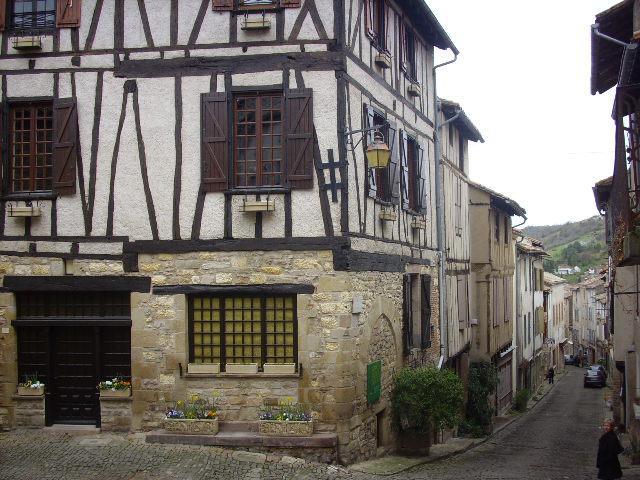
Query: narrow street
x=556, y=441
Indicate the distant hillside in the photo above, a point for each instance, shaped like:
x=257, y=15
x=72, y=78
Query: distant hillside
x=579, y=244
x=555, y=235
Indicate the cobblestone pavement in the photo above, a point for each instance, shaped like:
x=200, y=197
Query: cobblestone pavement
x=558, y=441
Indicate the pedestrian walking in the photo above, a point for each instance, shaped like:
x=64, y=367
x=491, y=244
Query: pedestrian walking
x=608, y=450
x=550, y=374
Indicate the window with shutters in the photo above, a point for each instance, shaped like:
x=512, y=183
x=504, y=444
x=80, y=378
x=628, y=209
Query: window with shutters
x=257, y=155
x=416, y=311
x=248, y=5
x=461, y=153
x=412, y=187
x=33, y=16
x=508, y=297
x=42, y=147
x=243, y=329
x=497, y=228
x=507, y=229
x=458, y=208
x=376, y=23
x=408, y=52
x=31, y=147
x=463, y=301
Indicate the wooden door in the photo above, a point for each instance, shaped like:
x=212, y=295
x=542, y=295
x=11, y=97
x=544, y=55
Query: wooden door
x=73, y=386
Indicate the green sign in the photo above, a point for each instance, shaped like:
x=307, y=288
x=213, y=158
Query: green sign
x=374, y=381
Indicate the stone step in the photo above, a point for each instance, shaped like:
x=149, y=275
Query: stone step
x=243, y=439
x=73, y=429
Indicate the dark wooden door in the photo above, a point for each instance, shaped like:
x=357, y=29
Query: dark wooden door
x=74, y=393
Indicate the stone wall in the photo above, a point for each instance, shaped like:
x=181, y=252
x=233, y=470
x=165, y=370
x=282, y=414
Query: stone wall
x=335, y=344
x=29, y=411
x=115, y=414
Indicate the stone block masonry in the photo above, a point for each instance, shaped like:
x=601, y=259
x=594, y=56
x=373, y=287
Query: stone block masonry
x=115, y=414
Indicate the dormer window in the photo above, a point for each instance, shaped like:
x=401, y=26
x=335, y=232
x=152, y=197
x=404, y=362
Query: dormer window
x=33, y=16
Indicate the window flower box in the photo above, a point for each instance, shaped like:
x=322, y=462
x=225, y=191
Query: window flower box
x=203, y=368
x=242, y=368
x=115, y=388
x=267, y=205
x=414, y=90
x=387, y=214
x=27, y=42
x=192, y=426
x=115, y=393
x=383, y=60
x=256, y=24
x=418, y=224
x=284, y=428
x=279, y=368
x=194, y=416
x=31, y=391
x=23, y=211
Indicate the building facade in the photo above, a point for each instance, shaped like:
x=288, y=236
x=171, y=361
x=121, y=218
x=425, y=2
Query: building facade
x=186, y=196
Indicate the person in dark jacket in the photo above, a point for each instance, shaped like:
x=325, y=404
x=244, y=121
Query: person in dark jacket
x=608, y=449
x=550, y=374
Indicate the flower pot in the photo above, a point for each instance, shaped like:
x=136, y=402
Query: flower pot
x=280, y=428
x=279, y=368
x=383, y=60
x=242, y=368
x=30, y=392
x=192, y=426
x=414, y=444
x=414, y=90
x=115, y=393
x=203, y=368
x=387, y=215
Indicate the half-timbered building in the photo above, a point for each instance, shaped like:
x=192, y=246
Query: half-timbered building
x=186, y=201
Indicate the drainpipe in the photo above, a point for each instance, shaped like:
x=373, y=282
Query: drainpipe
x=442, y=254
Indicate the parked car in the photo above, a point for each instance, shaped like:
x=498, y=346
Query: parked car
x=599, y=368
x=571, y=360
x=594, y=377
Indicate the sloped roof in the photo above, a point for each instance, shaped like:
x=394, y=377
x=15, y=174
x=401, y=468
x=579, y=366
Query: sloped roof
x=601, y=193
x=463, y=122
x=552, y=279
x=501, y=201
x=427, y=24
x=606, y=56
x=529, y=244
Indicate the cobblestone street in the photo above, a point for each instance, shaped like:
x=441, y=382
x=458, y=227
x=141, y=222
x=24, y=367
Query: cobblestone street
x=558, y=440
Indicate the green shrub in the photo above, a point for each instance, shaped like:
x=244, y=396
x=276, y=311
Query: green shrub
x=424, y=398
x=522, y=398
x=483, y=380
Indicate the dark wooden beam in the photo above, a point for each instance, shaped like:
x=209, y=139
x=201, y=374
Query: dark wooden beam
x=77, y=284
x=277, y=289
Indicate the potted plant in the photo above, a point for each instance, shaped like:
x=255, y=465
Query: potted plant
x=287, y=419
x=31, y=386
x=194, y=416
x=424, y=399
x=116, y=387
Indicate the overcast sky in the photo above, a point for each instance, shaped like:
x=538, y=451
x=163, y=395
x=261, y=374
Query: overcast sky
x=523, y=78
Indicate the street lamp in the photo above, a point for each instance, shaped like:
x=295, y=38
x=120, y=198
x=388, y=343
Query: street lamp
x=378, y=152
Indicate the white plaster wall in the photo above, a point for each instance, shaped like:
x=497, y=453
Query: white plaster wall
x=65, y=39
x=212, y=217
x=159, y=13
x=192, y=87
x=46, y=46
x=30, y=85
x=133, y=31
x=273, y=222
x=158, y=131
x=215, y=28
x=41, y=226
x=13, y=226
x=104, y=33
x=111, y=106
x=130, y=214
x=251, y=79
x=86, y=13
x=308, y=30
x=244, y=224
x=187, y=13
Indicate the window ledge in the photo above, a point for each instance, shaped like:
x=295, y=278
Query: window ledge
x=243, y=375
x=29, y=196
x=258, y=191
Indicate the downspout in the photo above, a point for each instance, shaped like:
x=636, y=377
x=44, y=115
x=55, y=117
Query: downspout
x=442, y=290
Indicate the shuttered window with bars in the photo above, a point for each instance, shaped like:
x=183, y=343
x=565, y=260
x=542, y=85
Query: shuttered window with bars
x=42, y=149
x=271, y=137
x=243, y=329
x=39, y=16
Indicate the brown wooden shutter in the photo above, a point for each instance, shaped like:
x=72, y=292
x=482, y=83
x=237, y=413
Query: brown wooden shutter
x=2, y=150
x=407, y=320
x=425, y=310
x=422, y=180
x=3, y=11
x=215, y=142
x=369, y=18
x=65, y=145
x=299, y=137
x=68, y=13
x=289, y=3
x=403, y=47
x=404, y=166
x=394, y=164
x=222, y=5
